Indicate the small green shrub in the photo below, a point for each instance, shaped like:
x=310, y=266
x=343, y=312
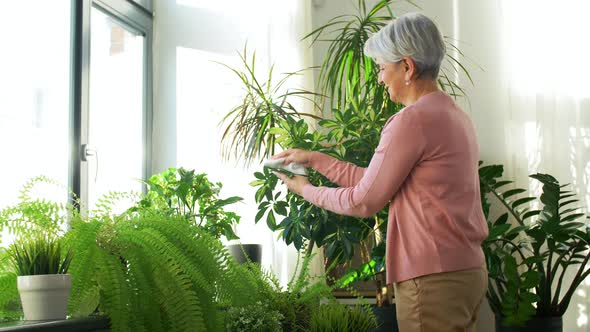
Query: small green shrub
x=255, y=317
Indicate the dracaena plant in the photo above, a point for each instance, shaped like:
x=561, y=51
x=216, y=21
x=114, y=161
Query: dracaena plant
x=248, y=125
x=530, y=250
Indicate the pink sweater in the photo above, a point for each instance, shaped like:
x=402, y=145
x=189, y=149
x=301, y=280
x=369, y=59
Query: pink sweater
x=426, y=167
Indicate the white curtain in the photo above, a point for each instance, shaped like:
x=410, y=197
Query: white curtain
x=546, y=56
x=531, y=98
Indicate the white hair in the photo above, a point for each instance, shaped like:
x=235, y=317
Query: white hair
x=413, y=35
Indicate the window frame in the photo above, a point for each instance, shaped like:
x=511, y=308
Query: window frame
x=135, y=17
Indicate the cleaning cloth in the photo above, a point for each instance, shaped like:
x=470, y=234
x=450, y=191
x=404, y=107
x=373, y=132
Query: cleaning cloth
x=295, y=168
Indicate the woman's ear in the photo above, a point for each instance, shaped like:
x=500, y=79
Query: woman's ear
x=409, y=68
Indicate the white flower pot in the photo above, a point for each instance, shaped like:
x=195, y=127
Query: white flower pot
x=45, y=297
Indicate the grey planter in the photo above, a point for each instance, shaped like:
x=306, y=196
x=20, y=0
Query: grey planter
x=536, y=324
x=242, y=252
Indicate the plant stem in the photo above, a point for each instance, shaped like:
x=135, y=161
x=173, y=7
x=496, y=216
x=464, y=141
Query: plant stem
x=310, y=247
x=575, y=283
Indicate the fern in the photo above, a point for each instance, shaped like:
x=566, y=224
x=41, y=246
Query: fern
x=114, y=291
x=9, y=299
x=156, y=273
x=82, y=241
x=152, y=271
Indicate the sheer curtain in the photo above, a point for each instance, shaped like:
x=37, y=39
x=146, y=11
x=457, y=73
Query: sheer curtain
x=546, y=54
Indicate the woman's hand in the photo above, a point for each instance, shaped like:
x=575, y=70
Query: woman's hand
x=294, y=156
x=295, y=184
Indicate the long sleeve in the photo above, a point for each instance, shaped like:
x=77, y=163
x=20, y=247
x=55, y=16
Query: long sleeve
x=340, y=172
x=400, y=148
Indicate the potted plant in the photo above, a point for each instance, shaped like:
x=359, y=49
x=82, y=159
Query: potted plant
x=178, y=191
x=359, y=109
x=145, y=269
x=246, y=252
x=25, y=220
x=529, y=251
x=43, y=283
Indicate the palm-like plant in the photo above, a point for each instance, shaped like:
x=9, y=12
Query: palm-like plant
x=347, y=72
x=248, y=133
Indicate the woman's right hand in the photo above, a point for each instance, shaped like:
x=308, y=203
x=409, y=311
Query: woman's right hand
x=294, y=156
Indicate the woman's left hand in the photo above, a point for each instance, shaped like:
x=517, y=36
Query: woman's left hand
x=295, y=184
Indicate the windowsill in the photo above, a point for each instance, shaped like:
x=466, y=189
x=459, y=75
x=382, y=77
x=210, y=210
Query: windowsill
x=88, y=324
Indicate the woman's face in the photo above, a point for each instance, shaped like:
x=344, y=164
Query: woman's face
x=392, y=75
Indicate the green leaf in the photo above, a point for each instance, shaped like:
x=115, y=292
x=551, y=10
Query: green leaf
x=259, y=215
x=271, y=221
x=499, y=230
x=522, y=201
x=507, y=194
x=281, y=209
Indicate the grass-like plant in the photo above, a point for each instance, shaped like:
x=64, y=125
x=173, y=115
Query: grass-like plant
x=339, y=317
x=43, y=255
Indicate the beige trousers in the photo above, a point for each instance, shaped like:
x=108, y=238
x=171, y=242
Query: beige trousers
x=441, y=302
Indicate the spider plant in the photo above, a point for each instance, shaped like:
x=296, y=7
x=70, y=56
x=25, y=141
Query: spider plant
x=249, y=125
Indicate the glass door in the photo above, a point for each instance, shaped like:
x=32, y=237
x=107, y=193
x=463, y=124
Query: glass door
x=114, y=152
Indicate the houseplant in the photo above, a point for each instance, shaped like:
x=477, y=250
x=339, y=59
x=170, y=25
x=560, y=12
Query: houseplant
x=248, y=125
x=25, y=220
x=43, y=283
x=179, y=191
x=529, y=251
x=145, y=269
x=361, y=107
x=337, y=317
x=254, y=317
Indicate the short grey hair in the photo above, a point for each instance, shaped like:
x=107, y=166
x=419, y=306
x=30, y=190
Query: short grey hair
x=413, y=35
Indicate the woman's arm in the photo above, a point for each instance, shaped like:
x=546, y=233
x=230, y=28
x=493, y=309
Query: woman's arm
x=400, y=149
x=340, y=172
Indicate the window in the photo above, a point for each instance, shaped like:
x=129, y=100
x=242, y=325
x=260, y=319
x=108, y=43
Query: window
x=115, y=102
x=34, y=94
x=74, y=74
x=115, y=114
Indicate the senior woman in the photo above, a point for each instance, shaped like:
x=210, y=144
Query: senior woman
x=426, y=168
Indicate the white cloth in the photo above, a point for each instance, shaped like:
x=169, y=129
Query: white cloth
x=294, y=168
